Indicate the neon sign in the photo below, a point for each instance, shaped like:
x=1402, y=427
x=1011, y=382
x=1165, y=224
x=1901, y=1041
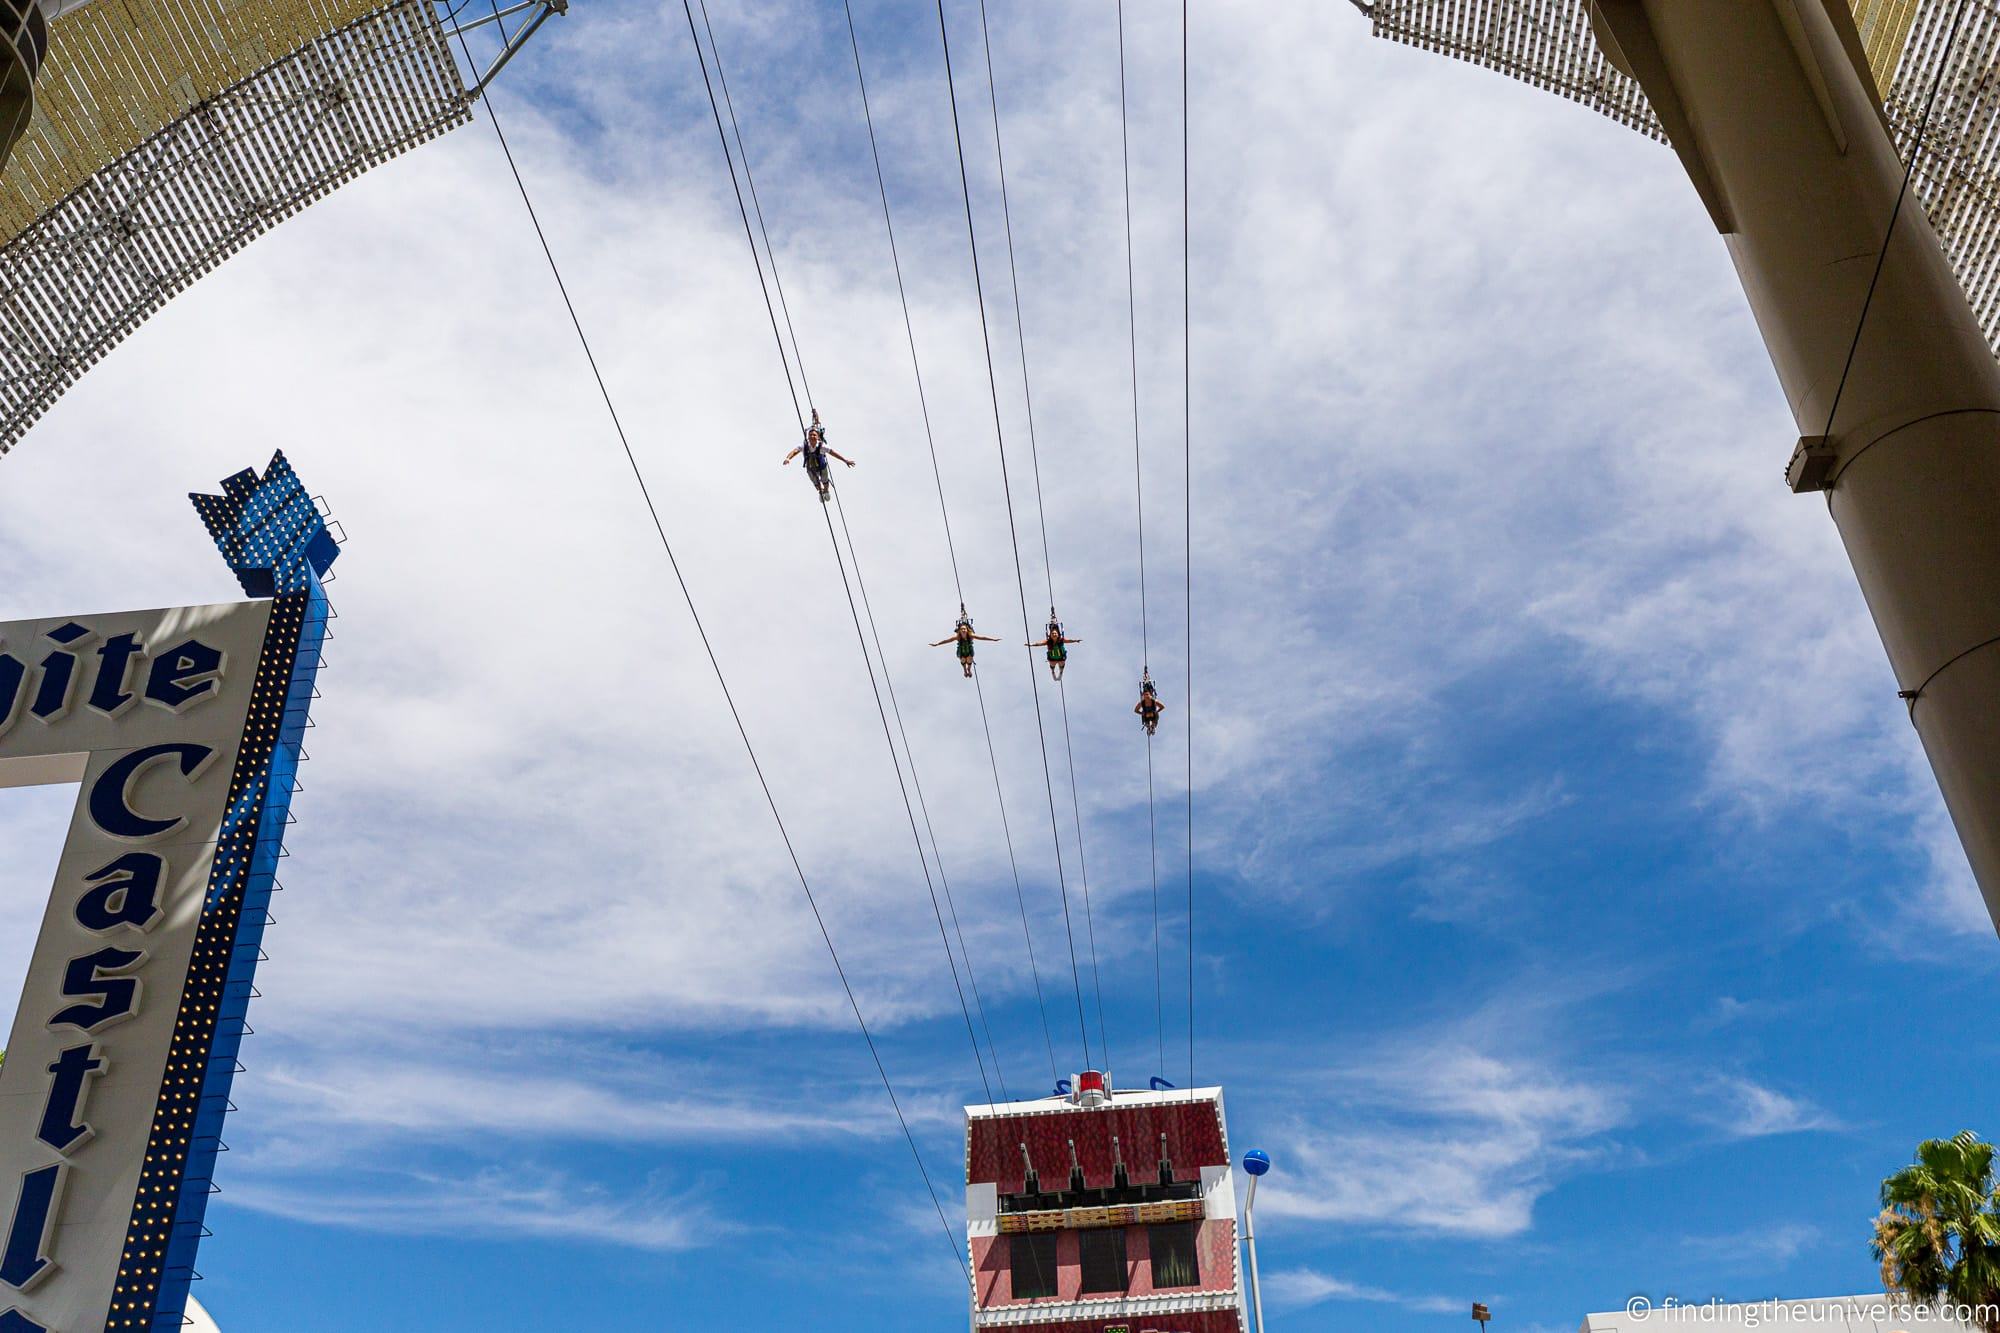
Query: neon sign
x=182, y=728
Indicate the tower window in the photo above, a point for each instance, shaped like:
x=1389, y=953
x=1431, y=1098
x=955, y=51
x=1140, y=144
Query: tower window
x=1034, y=1264
x=1103, y=1260
x=1176, y=1259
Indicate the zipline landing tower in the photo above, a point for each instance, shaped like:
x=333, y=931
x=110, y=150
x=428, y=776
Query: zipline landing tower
x=1096, y=1210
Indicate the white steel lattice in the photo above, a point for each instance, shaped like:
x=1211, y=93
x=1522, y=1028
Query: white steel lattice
x=1548, y=43
x=133, y=234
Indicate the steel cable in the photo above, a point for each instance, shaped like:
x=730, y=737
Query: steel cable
x=840, y=562
x=1042, y=516
x=1013, y=532
x=715, y=665
x=1187, y=524
x=1139, y=493
x=944, y=512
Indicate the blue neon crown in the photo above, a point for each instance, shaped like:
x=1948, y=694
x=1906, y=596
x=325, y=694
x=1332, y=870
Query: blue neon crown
x=268, y=529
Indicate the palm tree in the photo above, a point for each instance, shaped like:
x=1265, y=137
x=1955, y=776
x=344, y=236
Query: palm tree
x=1938, y=1235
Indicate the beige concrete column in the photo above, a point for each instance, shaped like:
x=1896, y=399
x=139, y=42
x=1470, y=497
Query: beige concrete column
x=1770, y=109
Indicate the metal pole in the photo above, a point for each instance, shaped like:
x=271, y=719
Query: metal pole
x=1250, y=1238
x=485, y=19
x=520, y=40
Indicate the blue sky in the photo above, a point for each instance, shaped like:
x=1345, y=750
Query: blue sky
x=1575, y=915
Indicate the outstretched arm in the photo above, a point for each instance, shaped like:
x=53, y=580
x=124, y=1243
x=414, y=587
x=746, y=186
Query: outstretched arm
x=942, y=642
x=793, y=454
x=986, y=638
x=1039, y=643
x=842, y=457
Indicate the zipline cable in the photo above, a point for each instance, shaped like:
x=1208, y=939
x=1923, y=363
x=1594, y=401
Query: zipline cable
x=1187, y=525
x=750, y=177
x=943, y=939
x=645, y=493
x=944, y=512
x=909, y=329
x=1013, y=532
x=1139, y=491
x=922, y=805
x=1020, y=896
x=798, y=356
x=1042, y=515
x=841, y=564
x=744, y=213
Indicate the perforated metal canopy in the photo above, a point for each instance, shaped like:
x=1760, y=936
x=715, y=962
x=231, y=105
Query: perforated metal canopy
x=168, y=134
x=1548, y=43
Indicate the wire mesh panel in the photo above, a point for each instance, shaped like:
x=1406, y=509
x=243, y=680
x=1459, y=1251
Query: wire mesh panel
x=118, y=73
x=1548, y=43
x=132, y=234
x=1955, y=173
x=1884, y=26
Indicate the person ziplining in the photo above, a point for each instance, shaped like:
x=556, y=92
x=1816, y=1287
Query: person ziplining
x=1149, y=706
x=814, y=447
x=963, y=636
x=1057, y=644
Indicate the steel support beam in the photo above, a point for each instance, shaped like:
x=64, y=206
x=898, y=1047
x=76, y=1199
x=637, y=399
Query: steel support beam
x=1780, y=129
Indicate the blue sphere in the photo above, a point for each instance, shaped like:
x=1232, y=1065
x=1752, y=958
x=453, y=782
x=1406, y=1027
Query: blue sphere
x=1256, y=1162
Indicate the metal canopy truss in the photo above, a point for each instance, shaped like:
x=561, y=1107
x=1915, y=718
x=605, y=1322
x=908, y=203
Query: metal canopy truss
x=86, y=272
x=511, y=43
x=1548, y=43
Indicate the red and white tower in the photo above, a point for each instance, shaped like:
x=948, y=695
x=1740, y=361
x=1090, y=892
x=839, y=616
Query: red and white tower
x=1100, y=1211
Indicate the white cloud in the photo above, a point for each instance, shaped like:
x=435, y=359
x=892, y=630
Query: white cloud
x=444, y=1101
x=496, y=1201
x=1445, y=1141
x=1300, y=1287
x=1748, y=1110
x=1758, y=1249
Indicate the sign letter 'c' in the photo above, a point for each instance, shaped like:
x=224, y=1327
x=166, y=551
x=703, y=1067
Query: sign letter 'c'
x=110, y=809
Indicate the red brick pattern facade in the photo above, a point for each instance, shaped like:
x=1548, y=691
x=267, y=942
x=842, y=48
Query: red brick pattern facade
x=993, y=1280
x=1194, y=1140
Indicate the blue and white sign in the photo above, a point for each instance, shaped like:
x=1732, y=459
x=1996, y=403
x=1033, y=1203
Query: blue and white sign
x=181, y=728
